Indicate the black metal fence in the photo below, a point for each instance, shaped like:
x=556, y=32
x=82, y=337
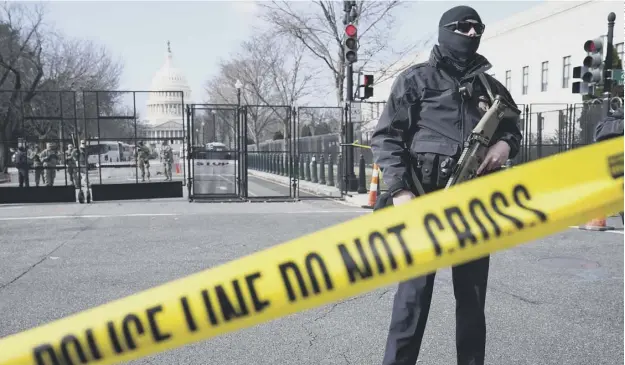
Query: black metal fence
x=36, y=129
x=547, y=129
x=302, y=144
x=104, y=129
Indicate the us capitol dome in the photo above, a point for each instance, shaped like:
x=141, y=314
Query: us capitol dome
x=164, y=108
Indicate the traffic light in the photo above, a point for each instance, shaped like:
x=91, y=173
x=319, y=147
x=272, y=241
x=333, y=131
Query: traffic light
x=351, y=32
x=368, y=84
x=351, y=43
x=591, y=73
x=594, y=61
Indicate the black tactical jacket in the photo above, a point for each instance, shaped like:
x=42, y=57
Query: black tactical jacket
x=426, y=113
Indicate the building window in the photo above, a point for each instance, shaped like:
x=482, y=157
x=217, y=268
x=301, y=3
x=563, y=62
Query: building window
x=526, y=74
x=508, y=79
x=544, y=75
x=566, y=71
x=619, y=50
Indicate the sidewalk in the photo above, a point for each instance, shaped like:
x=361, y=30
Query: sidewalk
x=357, y=200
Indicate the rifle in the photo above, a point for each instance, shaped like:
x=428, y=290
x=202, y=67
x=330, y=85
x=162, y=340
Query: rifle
x=476, y=145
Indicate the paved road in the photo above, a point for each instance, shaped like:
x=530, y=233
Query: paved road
x=57, y=259
x=220, y=180
x=208, y=181
x=257, y=187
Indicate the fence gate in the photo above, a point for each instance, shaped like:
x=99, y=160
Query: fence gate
x=216, y=153
x=270, y=153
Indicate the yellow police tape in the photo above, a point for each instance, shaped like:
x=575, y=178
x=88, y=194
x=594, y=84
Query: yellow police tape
x=435, y=231
x=356, y=144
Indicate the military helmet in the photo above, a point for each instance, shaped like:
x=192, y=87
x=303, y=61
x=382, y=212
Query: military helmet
x=50, y=145
x=70, y=146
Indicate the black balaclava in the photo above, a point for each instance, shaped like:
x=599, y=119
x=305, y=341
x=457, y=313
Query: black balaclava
x=458, y=48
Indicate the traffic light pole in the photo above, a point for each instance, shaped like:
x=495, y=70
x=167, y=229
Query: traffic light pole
x=607, y=74
x=350, y=175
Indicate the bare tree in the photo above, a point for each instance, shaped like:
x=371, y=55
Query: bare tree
x=21, y=68
x=318, y=26
x=274, y=77
x=35, y=63
x=257, y=80
x=288, y=77
x=317, y=121
x=74, y=64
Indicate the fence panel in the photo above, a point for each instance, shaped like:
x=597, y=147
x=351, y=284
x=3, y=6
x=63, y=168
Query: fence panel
x=270, y=152
x=319, y=153
x=215, y=159
x=42, y=127
x=123, y=151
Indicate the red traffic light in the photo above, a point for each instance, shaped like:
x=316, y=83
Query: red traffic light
x=350, y=30
x=368, y=80
x=593, y=45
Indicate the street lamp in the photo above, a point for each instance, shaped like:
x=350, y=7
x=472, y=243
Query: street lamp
x=202, y=133
x=238, y=85
x=242, y=165
x=214, y=125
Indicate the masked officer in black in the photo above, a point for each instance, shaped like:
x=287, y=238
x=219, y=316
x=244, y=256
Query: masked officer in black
x=432, y=109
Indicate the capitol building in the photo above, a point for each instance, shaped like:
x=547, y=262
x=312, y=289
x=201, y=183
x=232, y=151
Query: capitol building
x=165, y=107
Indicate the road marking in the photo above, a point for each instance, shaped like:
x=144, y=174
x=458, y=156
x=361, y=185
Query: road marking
x=87, y=216
x=93, y=216
x=232, y=183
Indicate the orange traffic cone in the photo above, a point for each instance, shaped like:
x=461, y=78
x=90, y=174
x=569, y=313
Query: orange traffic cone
x=598, y=224
x=373, y=188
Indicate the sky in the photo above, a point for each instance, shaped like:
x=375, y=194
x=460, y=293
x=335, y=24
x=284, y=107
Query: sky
x=203, y=32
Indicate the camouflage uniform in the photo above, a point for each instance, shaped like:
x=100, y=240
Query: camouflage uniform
x=38, y=167
x=167, y=158
x=142, y=156
x=71, y=159
x=50, y=161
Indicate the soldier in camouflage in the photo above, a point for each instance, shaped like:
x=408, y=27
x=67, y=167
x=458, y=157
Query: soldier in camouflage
x=142, y=156
x=50, y=160
x=167, y=158
x=71, y=159
x=37, y=166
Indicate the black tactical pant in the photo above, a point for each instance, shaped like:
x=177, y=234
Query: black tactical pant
x=411, y=305
x=22, y=177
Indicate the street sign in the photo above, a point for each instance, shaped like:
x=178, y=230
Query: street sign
x=356, y=112
x=617, y=76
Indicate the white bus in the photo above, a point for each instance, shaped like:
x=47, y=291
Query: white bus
x=108, y=151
